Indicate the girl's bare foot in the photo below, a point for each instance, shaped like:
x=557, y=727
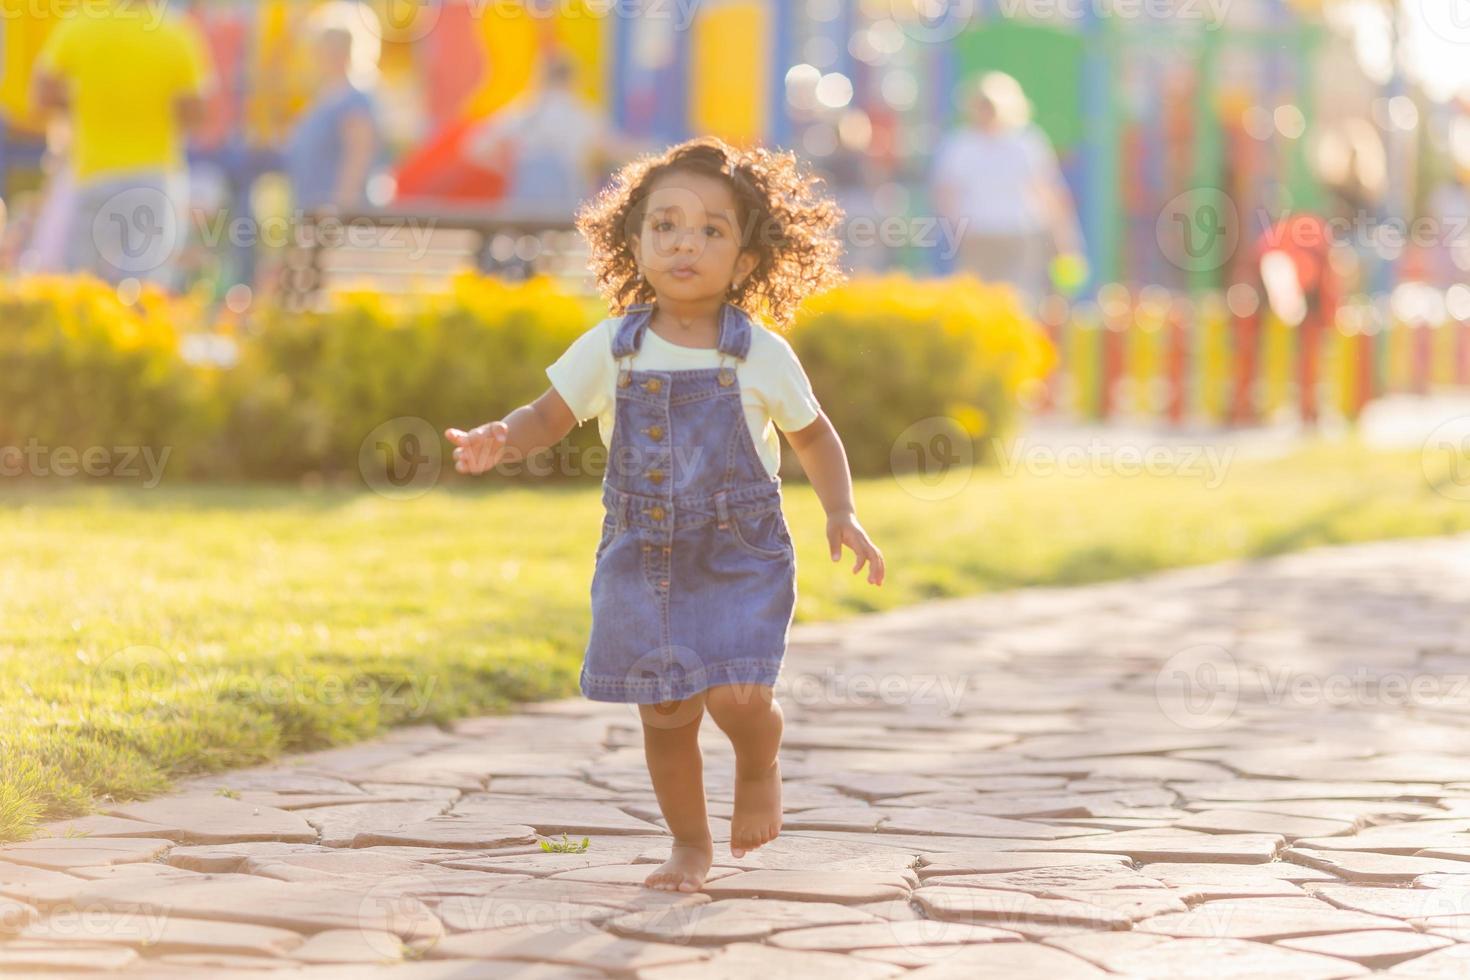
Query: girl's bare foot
x=757, y=818
x=686, y=868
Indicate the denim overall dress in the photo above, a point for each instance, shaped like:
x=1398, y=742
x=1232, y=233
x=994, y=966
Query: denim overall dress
x=695, y=578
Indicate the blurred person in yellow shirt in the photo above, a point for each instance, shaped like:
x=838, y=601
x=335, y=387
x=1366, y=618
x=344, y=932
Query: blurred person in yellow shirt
x=131, y=78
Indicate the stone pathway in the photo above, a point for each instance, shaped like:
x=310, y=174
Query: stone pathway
x=1244, y=770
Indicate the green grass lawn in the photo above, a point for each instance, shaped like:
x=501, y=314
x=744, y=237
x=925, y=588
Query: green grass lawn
x=152, y=633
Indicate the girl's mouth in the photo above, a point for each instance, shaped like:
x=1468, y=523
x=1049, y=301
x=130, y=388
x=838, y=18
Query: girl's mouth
x=684, y=273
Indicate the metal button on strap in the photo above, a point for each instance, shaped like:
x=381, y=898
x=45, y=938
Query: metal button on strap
x=727, y=377
x=652, y=384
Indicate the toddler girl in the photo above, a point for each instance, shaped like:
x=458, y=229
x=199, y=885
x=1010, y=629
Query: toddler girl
x=695, y=578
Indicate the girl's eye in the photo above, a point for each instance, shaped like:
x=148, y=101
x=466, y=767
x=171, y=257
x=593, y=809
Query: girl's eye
x=712, y=228
x=663, y=224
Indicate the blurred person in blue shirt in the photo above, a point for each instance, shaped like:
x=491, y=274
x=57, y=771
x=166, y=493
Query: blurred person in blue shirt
x=334, y=146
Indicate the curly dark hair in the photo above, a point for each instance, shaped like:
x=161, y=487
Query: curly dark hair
x=784, y=220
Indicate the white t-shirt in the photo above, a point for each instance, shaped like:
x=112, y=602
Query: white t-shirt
x=999, y=175
x=774, y=389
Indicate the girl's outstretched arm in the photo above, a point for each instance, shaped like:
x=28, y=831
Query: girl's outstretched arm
x=825, y=461
x=523, y=432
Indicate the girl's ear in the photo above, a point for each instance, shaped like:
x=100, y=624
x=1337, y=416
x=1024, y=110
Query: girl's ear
x=745, y=265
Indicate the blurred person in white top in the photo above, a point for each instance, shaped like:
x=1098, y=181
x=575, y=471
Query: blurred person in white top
x=996, y=181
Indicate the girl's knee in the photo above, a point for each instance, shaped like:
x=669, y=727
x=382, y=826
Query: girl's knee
x=735, y=704
x=673, y=718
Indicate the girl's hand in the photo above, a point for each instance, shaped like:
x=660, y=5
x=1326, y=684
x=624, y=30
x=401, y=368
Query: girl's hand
x=480, y=448
x=844, y=529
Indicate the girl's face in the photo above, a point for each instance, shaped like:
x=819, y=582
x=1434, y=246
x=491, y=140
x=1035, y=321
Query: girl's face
x=689, y=246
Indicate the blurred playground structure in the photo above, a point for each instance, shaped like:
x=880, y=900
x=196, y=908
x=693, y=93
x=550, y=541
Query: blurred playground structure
x=1184, y=131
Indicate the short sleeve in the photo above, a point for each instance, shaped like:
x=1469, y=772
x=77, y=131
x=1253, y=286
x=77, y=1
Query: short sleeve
x=791, y=402
x=583, y=375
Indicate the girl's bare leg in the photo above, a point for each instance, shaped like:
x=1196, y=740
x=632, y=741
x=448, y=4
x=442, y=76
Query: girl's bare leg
x=752, y=718
x=671, y=746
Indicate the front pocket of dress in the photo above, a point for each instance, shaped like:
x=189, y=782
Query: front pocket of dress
x=609, y=531
x=763, y=535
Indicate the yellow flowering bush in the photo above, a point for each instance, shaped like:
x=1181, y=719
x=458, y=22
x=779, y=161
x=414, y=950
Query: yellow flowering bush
x=81, y=367
x=888, y=352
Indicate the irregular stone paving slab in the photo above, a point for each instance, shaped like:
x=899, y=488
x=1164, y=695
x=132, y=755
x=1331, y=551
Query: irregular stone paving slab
x=139, y=870
x=1076, y=877
x=244, y=898
x=554, y=817
x=83, y=852
x=909, y=957
x=14, y=961
x=218, y=820
x=1008, y=960
x=1232, y=958
x=1247, y=821
x=159, y=934
x=1009, y=909
x=481, y=913
x=1178, y=845
x=1452, y=961
x=628, y=874
x=1404, y=838
x=1347, y=811
x=1448, y=853
x=845, y=887
x=455, y=832
x=732, y=920
x=740, y=961
x=1265, y=919
x=340, y=825
x=926, y=820
x=1368, y=866
x=1375, y=949
x=579, y=948
x=614, y=849
x=920, y=932
x=99, y=825
x=349, y=946
x=996, y=862
x=798, y=852
x=1263, y=790
x=1399, y=903
x=229, y=858
x=1195, y=883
